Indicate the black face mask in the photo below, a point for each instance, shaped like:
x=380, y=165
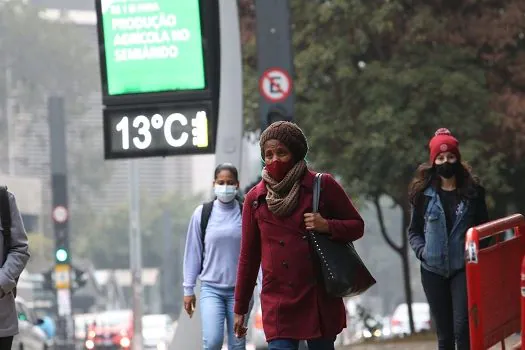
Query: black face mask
x=447, y=170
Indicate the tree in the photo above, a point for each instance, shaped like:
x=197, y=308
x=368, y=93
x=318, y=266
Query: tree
x=385, y=84
x=249, y=52
x=495, y=29
x=164, y=224
x=108, y=243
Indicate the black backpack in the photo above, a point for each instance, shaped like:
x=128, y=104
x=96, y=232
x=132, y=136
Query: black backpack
x=205, y=218
x=5, y=217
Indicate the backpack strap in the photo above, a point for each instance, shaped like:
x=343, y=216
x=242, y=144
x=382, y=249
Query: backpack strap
x=205, y=218
x=5, y=218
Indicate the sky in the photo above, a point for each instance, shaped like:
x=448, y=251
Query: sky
x=65, y=4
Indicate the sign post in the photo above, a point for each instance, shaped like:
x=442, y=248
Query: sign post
x=275, y=61
x=135, y=253
x=65, y=334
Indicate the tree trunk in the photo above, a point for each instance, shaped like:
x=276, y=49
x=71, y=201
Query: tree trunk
x=406, y=264
x=402, y=251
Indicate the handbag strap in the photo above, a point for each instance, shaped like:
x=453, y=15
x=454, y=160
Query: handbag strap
x=317, y=192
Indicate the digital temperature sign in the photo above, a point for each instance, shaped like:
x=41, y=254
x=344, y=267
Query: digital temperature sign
x=152, y=46
x=160, y=73
x=158, y=130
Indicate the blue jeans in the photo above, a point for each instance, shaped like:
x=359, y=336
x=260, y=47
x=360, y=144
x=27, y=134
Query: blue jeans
x=291, y=344
x=216, y=306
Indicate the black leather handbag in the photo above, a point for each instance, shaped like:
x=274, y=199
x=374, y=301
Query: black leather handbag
x=344, y=273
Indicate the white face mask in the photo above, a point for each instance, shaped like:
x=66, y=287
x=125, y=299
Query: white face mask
x=225, y=193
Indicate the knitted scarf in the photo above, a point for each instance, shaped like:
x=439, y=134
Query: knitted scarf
x=283, y=197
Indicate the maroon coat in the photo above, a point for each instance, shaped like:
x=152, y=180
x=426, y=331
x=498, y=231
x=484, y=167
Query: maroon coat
x=294, y=302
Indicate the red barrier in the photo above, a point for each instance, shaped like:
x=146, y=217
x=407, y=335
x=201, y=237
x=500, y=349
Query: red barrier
x=523, y=303
x=492, y=281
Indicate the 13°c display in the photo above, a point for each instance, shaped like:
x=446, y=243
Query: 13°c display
x=158, y=131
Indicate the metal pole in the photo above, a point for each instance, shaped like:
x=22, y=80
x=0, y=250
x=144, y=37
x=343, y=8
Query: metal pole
x=230, y=126
x=57, y=136
x=275, y=64
x=274, y=61
x=135, y=253
x=167, y=264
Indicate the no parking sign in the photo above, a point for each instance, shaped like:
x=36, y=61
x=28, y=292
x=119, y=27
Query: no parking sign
x=275, y=85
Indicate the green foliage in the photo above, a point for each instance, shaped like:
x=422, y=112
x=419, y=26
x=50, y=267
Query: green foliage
x=373, y=90
x=107, y=244
x=251, y=86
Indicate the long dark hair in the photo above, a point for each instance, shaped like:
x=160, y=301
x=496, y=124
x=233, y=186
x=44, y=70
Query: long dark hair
x=229, y=167
x=466, y=181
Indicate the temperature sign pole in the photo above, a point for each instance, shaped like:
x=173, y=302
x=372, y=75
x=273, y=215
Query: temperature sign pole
x=135, y=253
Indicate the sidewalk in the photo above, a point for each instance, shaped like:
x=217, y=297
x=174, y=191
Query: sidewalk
x=417, y=345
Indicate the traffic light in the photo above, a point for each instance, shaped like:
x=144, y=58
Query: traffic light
x=81, y=278
x=49, y=281
x=61, y=255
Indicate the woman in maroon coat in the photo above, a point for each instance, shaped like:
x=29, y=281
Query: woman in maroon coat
x=276, y=217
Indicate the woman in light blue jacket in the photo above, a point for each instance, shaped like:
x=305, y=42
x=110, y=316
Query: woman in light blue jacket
x=212, y=256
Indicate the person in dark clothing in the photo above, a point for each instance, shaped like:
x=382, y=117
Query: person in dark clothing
x=447, y=199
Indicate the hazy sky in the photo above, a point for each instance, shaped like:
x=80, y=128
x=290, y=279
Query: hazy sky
x=65, y=4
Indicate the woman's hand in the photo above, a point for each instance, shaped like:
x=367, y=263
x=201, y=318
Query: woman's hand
x=189, y=304
x=238, y=326
x=315, y=222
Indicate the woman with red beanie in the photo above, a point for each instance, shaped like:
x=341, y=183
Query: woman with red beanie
x=276, y=216
x=446, y=201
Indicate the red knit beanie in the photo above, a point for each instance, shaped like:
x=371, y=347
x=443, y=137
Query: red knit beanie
x=443, y=141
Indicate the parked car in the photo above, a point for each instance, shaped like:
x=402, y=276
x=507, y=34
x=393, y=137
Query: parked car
x=110, y=330
x=30, y=336
x=82, y=322
x=399, y=325
x=157, y=331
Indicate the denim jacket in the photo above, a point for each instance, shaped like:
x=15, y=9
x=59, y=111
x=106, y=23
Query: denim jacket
x=442, y=252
